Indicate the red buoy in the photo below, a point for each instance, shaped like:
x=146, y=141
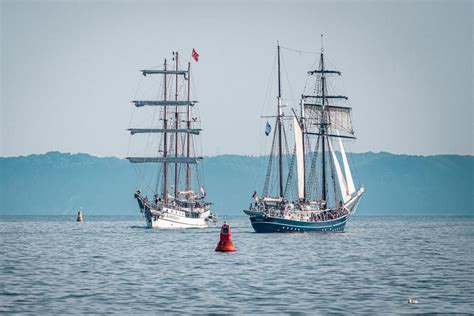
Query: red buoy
x=225, y=243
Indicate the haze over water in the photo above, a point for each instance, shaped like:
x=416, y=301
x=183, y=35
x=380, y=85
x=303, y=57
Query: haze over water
x=113, y=264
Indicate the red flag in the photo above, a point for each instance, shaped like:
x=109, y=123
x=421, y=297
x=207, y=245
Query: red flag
x=195, y=55
x=254, y=196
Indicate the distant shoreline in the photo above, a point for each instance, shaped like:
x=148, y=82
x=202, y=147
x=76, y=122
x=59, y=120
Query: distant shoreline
x=396, y=185
x=233, y=155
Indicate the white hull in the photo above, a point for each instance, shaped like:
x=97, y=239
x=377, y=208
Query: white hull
x=176, y=223
x=176, y=219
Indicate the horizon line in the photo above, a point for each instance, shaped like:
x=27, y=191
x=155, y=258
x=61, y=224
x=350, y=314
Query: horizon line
x=233, y=154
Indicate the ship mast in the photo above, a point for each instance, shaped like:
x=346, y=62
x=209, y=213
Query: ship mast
x=165, y=144
x=176, y=117
x=168, y=158
x=323, y=125
x=188, y=174
x=303, y=146
x=279, y=120
x=324, y=107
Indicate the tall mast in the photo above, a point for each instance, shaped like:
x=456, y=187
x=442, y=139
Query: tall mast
x=176, y=117
x=280, y=151
x=304, y=152
x=188, y=174
x=323, y=123
x=165, y=145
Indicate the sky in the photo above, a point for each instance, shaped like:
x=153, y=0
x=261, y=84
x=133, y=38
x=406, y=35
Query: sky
x=70, y=68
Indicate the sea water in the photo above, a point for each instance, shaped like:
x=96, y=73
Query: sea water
x=54, y=265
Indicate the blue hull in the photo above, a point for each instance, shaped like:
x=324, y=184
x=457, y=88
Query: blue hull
x=265, y=224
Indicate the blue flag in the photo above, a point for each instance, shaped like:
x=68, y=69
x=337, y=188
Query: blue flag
x=268, y=129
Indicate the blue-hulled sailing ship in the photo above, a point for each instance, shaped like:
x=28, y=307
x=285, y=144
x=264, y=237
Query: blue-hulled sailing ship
x=306, y=190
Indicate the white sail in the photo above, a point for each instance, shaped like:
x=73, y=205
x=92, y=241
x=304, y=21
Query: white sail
x=181, y=159
x=188, y=192
x=347, y=171
x=194, y=131
x=337, y=116
x=271, y=199
x=340, y=177
x=299, y=156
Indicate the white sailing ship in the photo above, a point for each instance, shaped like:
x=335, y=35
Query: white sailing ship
x=178, y=196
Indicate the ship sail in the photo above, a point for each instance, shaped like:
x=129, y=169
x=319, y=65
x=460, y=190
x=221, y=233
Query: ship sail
x=140, y=103
x=340, y=178
x=338, y=117
x=347, y=171
x=299, y=156
x=134, y=131
x=170, y=159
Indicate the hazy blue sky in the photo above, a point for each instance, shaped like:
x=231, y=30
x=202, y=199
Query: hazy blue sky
x=69, y=69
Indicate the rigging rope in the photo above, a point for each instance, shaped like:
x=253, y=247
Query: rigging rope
x=131, y=117
x=287, y=79
x=262, y=138
x=269, y=168
x=306, y=152
x=353, y=164
x=300, y=51
x=292, y=186
x=289, y=180
x=331, y=164
x=196, y=141
x=313, y=183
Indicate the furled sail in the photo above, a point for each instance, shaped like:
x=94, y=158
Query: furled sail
x=347, y=171
x=190, y=160
x=271, y=199
x=338, y=117
x=163, y=72
x=188, y=192
x=299, y=156
x=161, y=130
x=340, y=177
x=139, y=103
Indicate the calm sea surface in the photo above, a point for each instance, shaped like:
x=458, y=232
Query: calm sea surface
x=53, y=265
